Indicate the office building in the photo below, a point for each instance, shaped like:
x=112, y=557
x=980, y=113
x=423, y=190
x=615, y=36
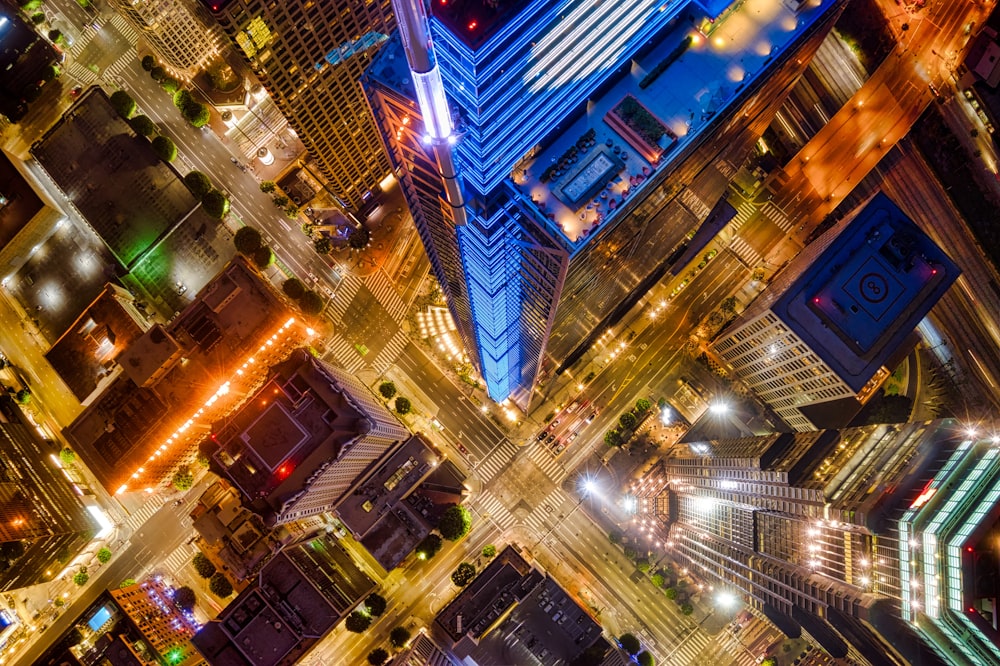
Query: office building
x=25, y=64
x=171, y=28
x=167, y=629
x=309, y=56
x=835, y=322
x=299, y=596
x=300, y=443
x=867, y=538
x=44, y=521
x=556, y=156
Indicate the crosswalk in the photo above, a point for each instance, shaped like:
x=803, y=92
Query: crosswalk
x=547, y=514
x=688, y=650
x=744, y=251
x=497, y=512
x=338, y=305
x=776, y=215
x=124, y=28
x=178, y=559
x=497, y=460
x=546, y=462
x=343, y=352
x=743, y=213
x=392, y=351
x=144, y=513
x=381, y=288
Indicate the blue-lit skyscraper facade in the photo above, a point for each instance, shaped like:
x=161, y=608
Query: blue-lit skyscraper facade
x=590, y=139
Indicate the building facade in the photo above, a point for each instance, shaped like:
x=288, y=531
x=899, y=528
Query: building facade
x=864, y=537
x=309, y=56
x=545, y=213
x=834, y=323
x=150, y=606
x=173, y=31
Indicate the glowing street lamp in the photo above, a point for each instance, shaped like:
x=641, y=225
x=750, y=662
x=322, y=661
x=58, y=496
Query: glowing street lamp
x=718, y=408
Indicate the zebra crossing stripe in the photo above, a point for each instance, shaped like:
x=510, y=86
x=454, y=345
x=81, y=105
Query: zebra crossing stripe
x=382, y=289
x=777, y=216
x=743, y=250
x=497, y=511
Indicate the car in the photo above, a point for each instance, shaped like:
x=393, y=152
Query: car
x=572, y=408
x=550, y=438
x=541, y=436
x=555, y=423
x=560, y=448
x=573, y=437
x=590, y=419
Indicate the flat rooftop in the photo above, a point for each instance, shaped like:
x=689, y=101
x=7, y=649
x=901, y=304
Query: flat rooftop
x=722, y=59
x=475, y=21
x=18, y=201
x=864, y=294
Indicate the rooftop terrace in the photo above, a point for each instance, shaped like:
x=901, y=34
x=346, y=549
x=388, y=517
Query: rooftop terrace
x=580, y=179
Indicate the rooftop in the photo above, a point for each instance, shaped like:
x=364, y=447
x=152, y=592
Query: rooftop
x=18, y=201
x=475, y=21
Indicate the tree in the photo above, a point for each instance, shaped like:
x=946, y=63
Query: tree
x=143, y=125
x=630, y=643
x=656, y=579
x=375, y=603
x=323, y=245
x=81, y=577
x=627, y=420
x=357, y=622
x=728, y=305
x=38, y=18
x=311, y=303
x=686, y=609
x=128, y=582
x=164, y=148
x=183, y=479
x=11, y=550
x=769, y=661
x=267, y=186
x=642, y=564
x=387, y=389
x=216, y=204
x=203, y=460
x=428, y=547
x=359, y=238
x=293, y=288
x=463, y=574
x=148, y=62
x=220, y=585
x=50, y=72
x=292, y=211
x=615, y=537
x=23, y=396
x=104, y=555
x=403, y=405
x=198, y=183
x=197, y=114
x=202, y=565
x=247, y=240
x=489, y=551
x=455, y=523
x=122, y=103
x=170, y=84
x=158, y=74
x=263, y=257
x=67, y=456
x=613, y=438
x=645, y=659
x=56, y=37
x=398, y=637
x=280, y=200
x=643, y=405
x=182, y=98
x=185, y=598
x=378, y=656
x=671, y=593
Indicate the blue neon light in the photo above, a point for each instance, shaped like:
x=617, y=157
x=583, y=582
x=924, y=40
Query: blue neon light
x=349, y=49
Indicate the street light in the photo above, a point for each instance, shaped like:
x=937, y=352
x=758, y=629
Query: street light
x=718, y=407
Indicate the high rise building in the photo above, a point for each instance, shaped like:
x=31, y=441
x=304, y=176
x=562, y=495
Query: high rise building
x=557, y=157
x=150, y=606
x=833, y=324
x=173, y=31
x=867, y=538
x=299, y=444
x=309, y=56
x=43, y=520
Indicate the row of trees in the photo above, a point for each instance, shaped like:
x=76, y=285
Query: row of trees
x=193, y=111
x=125, y=106
x=633, y=647
x=402, y=404
x=308, y=300
x=214, y=201
x=250, y=243
x=455, y=523
x=217, y=583
x=628, y=422
x=280, y=200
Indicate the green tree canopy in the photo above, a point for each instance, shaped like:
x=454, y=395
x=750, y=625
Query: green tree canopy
x=630, y=643
x=199, y=183
x=220, y=585
x=627, y=420
x=170, y=84
x=428, y=547
x=267, y=186
x=613, y=438
x=656, y=579
x=375, y=603
x=148, y=62
x=292, y=211
x=197, y=114
x=81, y=577
x=143, y=125
x=463, y=574
x=203, y=565
x=359, y=238
x=122, y=103
x=183, y=479
x=104, y=555
x=686, y=609
x=311, y=303
x=280, y=200
x=671, y=593
x=378, y=656
x=357, y=622
x=38, y=18
x=455, y=523
x=182, y=98
x=489, y=551
x=164, y=148
x=322, y=245
x=263, y=257
x=247, y=240
x=293, y=288
x=128, y=582
x=23, y=396
x=398, y=637
x=158, y=74
x=643, y=405
x=56, y=37
x=769, y=661
x=645, y=659
x=403, y=405
x=185, y=598
x=50, y=72
x=216, y=204
x=387, y=389
x=67, y=456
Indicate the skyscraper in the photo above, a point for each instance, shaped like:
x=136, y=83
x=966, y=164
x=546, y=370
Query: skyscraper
x=309, y=56
x=556, y=155
x=866, y=537
x=830, y=328
x=173, y=31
